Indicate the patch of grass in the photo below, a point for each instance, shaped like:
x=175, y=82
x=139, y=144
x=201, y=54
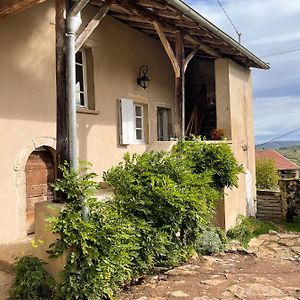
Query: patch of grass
x=247, y=228
x=291, y=226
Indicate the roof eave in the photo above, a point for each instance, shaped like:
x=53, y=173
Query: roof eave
x=200, y=20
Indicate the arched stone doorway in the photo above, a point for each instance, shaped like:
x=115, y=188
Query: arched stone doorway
x=40, y=175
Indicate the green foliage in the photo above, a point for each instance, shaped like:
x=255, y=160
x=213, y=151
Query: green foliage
x=162, y=204
x=266, y=174
x=214, y=158
x=31, y=281
x=247, y=228
x=164, y=192
x=102, y=251
x=293, y=226
x=76, y=185
x=212, y=240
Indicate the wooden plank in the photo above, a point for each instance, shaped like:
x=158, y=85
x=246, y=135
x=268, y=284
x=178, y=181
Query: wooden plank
x=62, y=153
x=189, y=57
x=16, y=6
x=167, y=47
x=153, y=16
x=203, y=47
x=179, y=86
x=91, y=26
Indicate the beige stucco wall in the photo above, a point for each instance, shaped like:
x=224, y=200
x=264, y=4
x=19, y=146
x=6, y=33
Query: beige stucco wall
x=235, y=115
x=28, y=103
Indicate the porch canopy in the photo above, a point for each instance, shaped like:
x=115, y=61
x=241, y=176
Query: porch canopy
x=174, y=16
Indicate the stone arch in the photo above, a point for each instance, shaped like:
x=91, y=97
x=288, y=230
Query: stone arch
x=20, y=177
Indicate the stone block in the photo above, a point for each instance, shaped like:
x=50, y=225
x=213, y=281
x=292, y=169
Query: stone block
x=44, y=237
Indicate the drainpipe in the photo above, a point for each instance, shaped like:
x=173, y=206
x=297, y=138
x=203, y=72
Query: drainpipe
x=188, y=11
x=73, y=23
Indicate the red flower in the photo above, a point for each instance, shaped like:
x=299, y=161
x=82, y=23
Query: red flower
x=217, y=134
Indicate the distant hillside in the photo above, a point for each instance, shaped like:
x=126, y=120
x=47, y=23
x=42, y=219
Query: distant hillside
x=289, y=149
x=279, y=144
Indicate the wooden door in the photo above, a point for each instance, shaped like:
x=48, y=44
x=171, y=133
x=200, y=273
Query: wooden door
x=40, y=172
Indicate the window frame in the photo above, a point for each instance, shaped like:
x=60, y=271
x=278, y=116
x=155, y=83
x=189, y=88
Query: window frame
x=168, y=120
x=84, y=79
x=142, y=128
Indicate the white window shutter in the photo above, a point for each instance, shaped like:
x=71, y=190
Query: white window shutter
x=126, y=121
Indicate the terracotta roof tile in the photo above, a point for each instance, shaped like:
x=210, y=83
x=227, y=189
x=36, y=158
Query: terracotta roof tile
x=282, y=162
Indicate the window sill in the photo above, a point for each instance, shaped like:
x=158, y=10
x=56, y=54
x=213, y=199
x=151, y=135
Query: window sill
x=83, y=110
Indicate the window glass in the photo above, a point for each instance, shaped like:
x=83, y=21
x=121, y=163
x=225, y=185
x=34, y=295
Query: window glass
x=81, y=88
x=138, y=110
x=139, y=122
x=163, y=124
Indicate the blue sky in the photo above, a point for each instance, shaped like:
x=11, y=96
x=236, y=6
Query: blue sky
x=267, y=26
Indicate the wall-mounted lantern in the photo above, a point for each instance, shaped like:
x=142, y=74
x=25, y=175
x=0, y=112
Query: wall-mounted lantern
x=143, y=80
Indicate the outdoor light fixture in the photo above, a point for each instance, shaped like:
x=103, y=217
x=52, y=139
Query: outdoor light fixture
x=143, y=79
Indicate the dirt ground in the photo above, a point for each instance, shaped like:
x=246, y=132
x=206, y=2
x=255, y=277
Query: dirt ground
x=271, y=270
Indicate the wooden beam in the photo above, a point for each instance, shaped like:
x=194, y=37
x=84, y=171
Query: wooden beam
x=179, y=87
x=151, y=16
x=189, y=57
x=62, y=153
x=128, y=17
x=152, y=4
x=17, y=6
x=88, y=30
x=167, y=47
x=203, y=47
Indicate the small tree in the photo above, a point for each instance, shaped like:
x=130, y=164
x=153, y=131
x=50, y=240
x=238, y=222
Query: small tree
x=266, y=174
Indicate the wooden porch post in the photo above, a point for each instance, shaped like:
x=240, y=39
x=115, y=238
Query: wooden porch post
x=62, y=153
x=179, y=87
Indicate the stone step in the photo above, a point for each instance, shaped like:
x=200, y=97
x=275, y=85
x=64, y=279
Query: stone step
x=10, y=251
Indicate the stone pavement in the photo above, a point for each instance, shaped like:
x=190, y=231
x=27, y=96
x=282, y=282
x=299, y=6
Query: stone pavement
x=270, y=270
x=277, y=245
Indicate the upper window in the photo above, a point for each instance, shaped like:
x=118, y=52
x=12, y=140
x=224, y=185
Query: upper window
x=81, y=79
x=85, y=95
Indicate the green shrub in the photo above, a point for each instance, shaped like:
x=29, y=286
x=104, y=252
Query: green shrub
x=163, y=191
x=102, y=248
x=76, y=185
x=247, y=228
x=266, y=174
x=214, y=158
x=31, y=281
x=212, y=240
x=161, y=212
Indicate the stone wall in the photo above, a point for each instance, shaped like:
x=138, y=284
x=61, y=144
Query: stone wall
x=280, y=205
x=291, y=193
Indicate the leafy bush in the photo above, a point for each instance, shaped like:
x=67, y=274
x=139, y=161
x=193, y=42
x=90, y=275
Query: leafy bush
x=161, y=212
x=212, y=240
x=266, y=174
x=214, y=158
x=76, y=185
x=31, y=281
x=164, y=192
x=102, y=250
x=247, y=228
